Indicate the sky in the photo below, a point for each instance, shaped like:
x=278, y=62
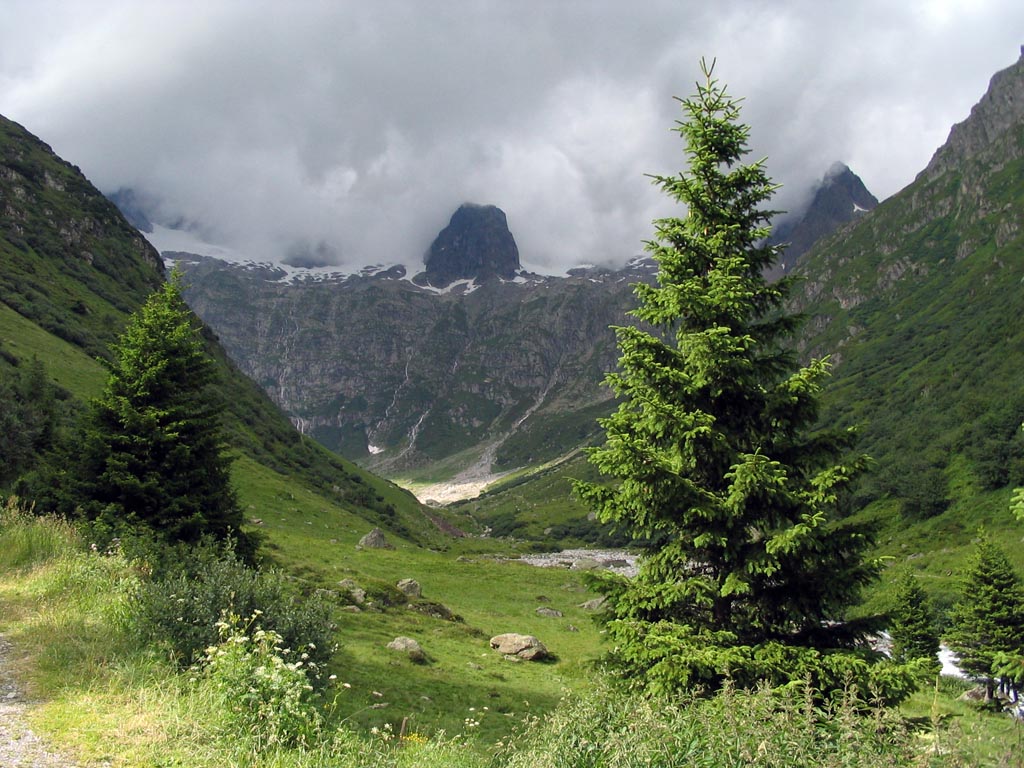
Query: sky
x=353, y=130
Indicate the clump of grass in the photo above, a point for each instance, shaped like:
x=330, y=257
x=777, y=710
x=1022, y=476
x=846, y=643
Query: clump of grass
x=27, y=539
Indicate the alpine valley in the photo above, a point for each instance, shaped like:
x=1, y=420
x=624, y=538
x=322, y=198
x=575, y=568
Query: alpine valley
x=475, y=375
x=448, y=379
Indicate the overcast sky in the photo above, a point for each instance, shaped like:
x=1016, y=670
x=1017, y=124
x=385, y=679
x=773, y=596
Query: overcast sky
x=363, y=125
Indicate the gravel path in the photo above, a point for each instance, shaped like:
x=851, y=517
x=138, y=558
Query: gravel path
x=19, y=746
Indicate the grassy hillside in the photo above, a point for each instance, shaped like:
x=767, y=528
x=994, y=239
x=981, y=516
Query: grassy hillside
x=71, y=272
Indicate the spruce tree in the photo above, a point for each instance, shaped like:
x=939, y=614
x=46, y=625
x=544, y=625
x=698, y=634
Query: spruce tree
x=152, y=452
x=988, y=621
x=712, y=457
x=912, y=624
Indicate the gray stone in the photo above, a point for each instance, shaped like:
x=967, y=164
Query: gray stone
x=520, y=647
x=409, y=588
x=593, y=605
x=409, y=647
x=375, y=539
x=355, y=592
x=550, y=613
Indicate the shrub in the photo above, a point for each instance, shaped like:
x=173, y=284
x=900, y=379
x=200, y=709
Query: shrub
x=181, y=609
x=261, y=686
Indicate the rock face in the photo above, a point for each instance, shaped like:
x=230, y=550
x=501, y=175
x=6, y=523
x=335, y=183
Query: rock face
x=516, y=646
x=989, y=128
x=476, y=244
x=395, y=375
x=840, y=198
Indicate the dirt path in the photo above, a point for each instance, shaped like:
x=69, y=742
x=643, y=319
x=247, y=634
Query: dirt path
x=19, y=746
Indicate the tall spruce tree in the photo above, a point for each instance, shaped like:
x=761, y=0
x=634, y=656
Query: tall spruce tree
x=988, y=621
x=712, y=456
x=152, y=453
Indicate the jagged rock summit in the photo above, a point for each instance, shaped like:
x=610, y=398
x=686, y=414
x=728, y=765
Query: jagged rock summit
x=991, y=128
x=840, y=198
x=476, y=245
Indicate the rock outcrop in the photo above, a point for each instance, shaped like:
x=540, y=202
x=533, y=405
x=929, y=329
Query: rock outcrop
x=476, y=245
x=839, y=199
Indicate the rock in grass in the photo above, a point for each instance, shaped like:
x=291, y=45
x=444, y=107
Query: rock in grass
x=409, y=588
x=549, y=613
x=516, y=646
x=375, y=539
x=356, y=593
x=409, y=647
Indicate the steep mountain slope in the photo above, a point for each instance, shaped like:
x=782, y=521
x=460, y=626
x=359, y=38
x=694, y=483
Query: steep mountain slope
x=919, y=305
x=73, y=268
x=399, y=375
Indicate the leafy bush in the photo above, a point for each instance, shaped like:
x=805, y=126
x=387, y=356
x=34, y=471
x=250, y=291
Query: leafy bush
x=181, y=609
x=261, y=685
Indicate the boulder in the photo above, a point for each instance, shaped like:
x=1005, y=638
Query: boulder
x=549, y=613
x=525, y=647
x=409, y=647
x=375, y=539
x=593, y=605
x=409, y=588
x=355, y=592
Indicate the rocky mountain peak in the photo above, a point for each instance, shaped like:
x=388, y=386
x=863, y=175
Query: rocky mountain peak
x=987, y=130
x=476, y=244
x=840, y=198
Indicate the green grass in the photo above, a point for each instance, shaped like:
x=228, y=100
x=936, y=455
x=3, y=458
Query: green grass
x=74, y=369
x=104, y=698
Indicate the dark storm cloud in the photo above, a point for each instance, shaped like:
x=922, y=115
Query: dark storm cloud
x=360, y=126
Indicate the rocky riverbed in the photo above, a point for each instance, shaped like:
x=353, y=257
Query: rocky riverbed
x=617, y=560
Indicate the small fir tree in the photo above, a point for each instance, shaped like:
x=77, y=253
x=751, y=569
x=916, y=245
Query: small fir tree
x=152, y=452
x=988, y=620
x=912, y=625
x=712, y=457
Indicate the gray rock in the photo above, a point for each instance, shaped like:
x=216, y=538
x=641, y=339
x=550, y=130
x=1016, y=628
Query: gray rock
x=409, y=588
x=586, y=564
x=375, y=539
x=355, y=592
x=409, y=647
x=594, y=605
x=520, y=647
x=550, y=613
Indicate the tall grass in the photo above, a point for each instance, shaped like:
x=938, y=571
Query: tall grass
x=26, y=540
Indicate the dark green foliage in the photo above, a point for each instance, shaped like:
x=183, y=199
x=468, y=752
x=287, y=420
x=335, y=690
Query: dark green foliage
x=197, y=587
x=711, y=454
x=912, y=624
x=152, y=453
x=988, y=621
x=29, y=413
